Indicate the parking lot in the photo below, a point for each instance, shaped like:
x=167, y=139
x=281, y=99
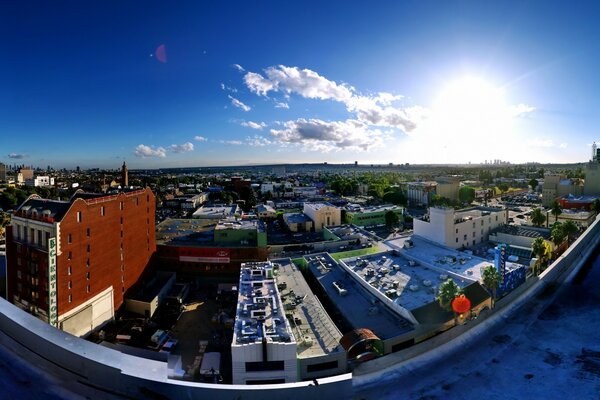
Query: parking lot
x=206, y=326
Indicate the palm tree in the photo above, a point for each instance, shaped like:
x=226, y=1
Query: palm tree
x=555, y=209
x=558, y=233
x=491, y=279
x=570, y=229
x=537, y=217
x=447, y=291
x=539, y=250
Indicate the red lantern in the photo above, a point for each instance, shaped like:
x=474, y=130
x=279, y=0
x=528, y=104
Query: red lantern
x=461, y=304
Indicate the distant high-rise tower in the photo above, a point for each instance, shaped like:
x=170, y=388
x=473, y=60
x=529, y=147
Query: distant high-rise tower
x=124, y=176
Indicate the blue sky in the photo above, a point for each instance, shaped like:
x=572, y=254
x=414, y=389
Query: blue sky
x=266, y=82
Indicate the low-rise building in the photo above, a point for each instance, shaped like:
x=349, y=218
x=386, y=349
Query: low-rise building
x=448, y=187
x=456, y=229
x=368, y=216
x=577, y=202
x=263, y=349
x=557, y=185
x=40, y=181
x=323, y=214
x=319, y=351
x=218, y=212
x=298, y=222
x=264, y=211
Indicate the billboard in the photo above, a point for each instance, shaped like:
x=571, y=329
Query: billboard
x=52, y=288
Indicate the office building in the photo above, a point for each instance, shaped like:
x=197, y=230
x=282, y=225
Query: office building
x=456, y=229
x=592, y=174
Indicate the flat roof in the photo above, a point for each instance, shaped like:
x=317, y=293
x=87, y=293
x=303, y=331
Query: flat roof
x=216, y=211
x=356, y=208
x=260, y=313
x=315, y=332
x=361, y=308
x=445, y=259
x=296, y=218
x=318, y=206
x=521, y=230
x=178, y=230
x=240, y=225
x=409, y=286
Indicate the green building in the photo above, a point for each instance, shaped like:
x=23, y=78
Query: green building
x=369, y=216
x=246, y=233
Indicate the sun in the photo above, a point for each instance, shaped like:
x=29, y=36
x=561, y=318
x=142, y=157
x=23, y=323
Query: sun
x=469, y=120
x=471, y=106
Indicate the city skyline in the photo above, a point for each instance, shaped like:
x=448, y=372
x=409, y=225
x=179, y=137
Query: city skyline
x=242, y=84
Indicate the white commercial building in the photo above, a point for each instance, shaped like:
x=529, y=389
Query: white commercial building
x=323, y=214
x=40, y=181
x=263, y=350
x=456, y=229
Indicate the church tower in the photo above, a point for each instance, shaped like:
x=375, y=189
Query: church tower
x=124, y=176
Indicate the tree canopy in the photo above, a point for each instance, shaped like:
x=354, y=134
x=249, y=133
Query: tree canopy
x=447, y=291
x=537, y=217
x=466, y=194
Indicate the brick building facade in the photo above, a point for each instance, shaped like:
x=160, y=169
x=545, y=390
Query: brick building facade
x=71, y=263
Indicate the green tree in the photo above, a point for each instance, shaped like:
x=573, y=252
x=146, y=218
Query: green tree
x=247, y=194
x=537, y=217
x=557, y=233
x=394, y=196
x=555, y=209
x=391, y=219
x=491, y=279
x=447, y=291
x=466, y=194
x=533, y=183
x=503, y=187
x=570, y=229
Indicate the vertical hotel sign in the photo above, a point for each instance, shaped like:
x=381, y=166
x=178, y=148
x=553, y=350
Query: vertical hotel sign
x=52, y=288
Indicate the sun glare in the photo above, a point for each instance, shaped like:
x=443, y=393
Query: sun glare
x=471, y=107
x=466, y=117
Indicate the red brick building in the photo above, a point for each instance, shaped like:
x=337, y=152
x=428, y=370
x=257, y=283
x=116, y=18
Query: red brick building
x=70, y=263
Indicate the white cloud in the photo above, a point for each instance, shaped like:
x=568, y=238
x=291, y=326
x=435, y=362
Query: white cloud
x=254, y=125
x=239, y=67
x=258, y=141
x=562, y=146
x=233, y=142
x=239, y=104
x=257, y=84
x=521, y=109
x=315, y=134
x=200, y=138
x=228, y=88
x=17, y=156
x=181, y=148
x=304, y=82
x=373, y=110
x=149, y=151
